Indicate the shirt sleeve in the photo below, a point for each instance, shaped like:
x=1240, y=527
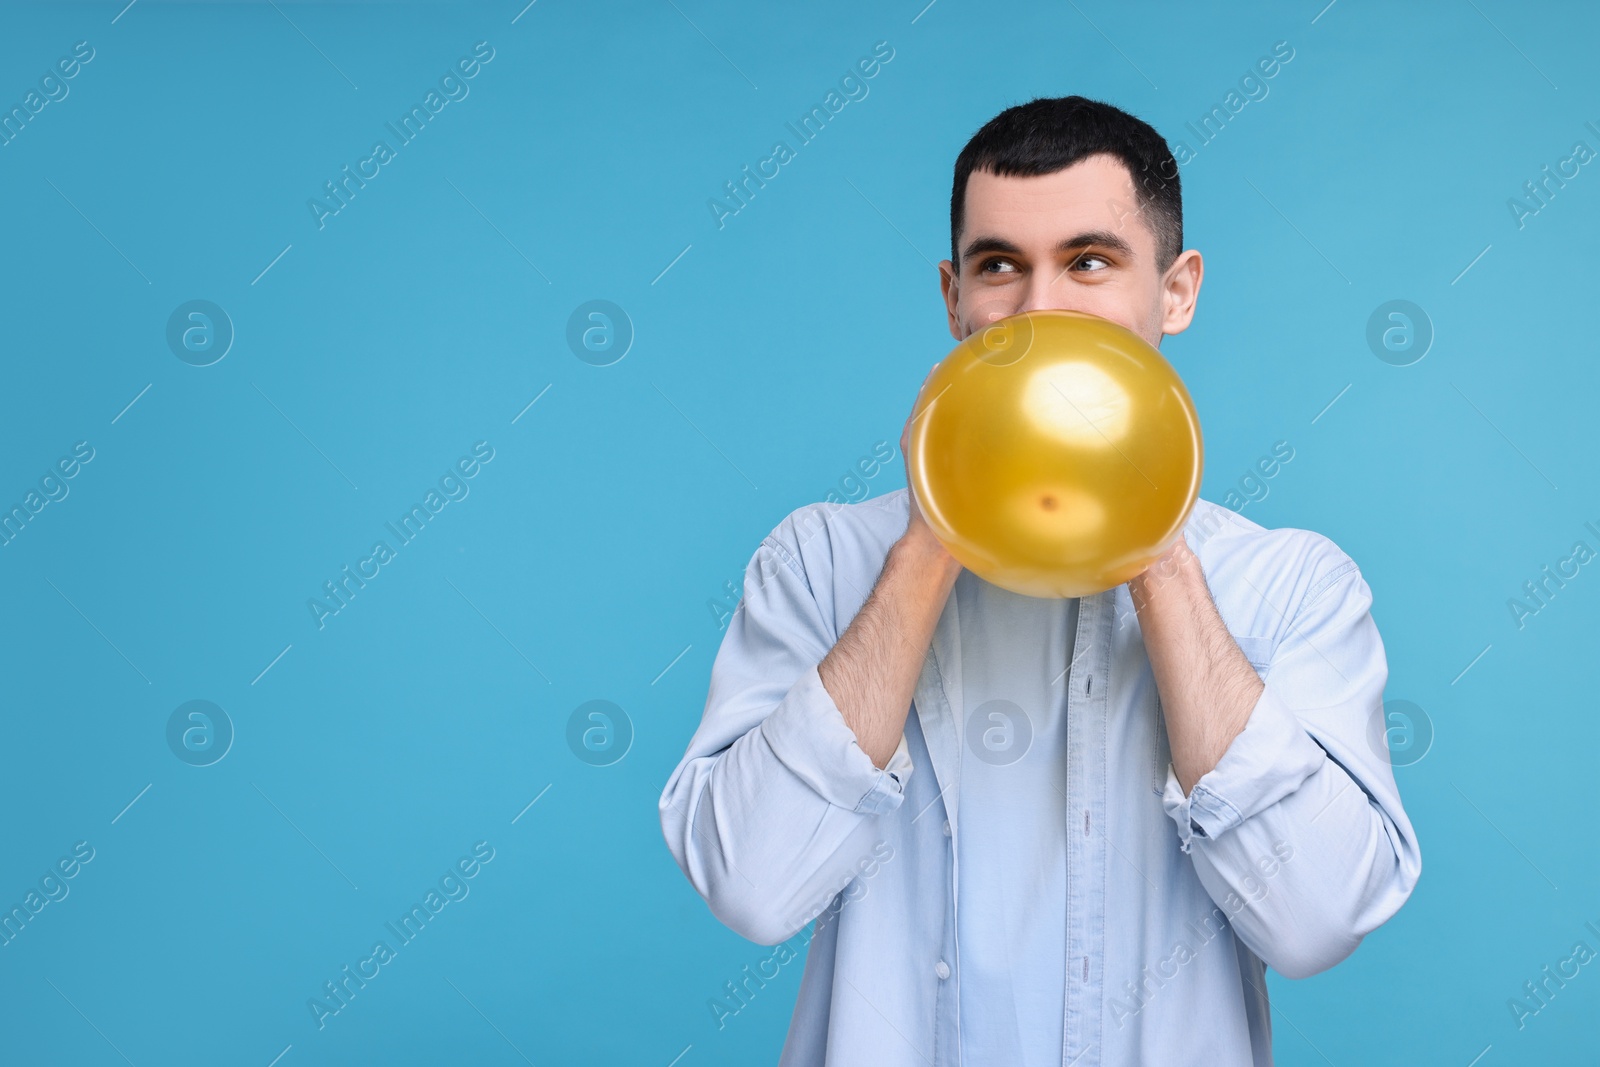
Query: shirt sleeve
x=1298, y=832
x=772, y=807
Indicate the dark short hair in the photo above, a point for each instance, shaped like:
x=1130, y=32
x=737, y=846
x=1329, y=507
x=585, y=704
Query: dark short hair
x=1052, y=133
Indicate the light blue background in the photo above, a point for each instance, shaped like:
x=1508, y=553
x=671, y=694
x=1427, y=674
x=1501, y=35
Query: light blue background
x=768, y=359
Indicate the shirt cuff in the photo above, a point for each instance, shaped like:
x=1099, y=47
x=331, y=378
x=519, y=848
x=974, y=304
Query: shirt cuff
x=810, y=737
x=1266, y=762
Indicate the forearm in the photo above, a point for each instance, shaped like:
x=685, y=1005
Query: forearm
x=871, y=672
x=1290, y=813
x=1207, y=686
x=773, y=805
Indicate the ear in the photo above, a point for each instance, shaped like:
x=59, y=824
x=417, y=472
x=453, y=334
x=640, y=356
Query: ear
x=1180, y=290
x=950, y=289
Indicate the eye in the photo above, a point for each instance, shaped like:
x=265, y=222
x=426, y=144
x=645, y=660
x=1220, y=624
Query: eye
x=993, y=266
x=1090, y=261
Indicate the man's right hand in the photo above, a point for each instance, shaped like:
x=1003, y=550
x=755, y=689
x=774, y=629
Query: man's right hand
x=918, y=532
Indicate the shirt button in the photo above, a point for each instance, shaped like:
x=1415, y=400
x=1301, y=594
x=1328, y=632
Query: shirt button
x=947, y=828
x=942, y=969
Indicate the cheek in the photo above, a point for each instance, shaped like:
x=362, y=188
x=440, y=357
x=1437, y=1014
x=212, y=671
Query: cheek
x=978, y=309
x=1160, y=303
x=1125, y=313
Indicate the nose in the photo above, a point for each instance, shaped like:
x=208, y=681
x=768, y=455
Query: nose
x=1045, y=291
x=1049, y=291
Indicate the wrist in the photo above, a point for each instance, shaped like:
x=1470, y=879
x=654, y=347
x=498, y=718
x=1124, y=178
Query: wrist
x=925, y=553
x=1175, y=575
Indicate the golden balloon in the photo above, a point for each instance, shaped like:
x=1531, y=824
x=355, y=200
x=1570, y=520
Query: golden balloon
x=1055, y=454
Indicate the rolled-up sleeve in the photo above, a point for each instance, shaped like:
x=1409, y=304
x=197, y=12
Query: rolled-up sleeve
x=1298, y=831
x=809, y=735
x=1269, y=759
x=772, y=805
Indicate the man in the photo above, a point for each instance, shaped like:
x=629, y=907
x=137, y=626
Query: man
x=1106, y=815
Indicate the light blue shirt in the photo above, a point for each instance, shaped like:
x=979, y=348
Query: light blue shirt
x=1147, y=915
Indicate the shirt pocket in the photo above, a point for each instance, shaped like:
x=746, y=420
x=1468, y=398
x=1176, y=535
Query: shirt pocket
x=1258, y=651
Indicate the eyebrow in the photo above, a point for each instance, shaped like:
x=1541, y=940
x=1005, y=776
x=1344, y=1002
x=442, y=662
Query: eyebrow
x=1087, y=239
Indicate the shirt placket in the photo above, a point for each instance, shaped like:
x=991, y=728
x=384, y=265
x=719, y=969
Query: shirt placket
x=1089, y=688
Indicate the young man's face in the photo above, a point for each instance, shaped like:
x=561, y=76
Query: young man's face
x=1074, y=240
